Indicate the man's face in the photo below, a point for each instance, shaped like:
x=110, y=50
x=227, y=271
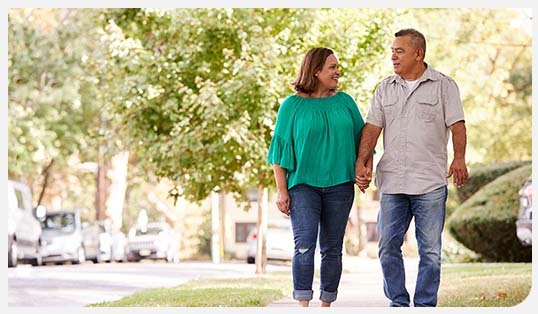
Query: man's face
x=404, y=57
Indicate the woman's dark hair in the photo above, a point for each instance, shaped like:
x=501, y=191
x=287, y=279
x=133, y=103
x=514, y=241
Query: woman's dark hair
x=313, y=62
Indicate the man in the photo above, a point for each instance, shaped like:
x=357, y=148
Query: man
x=416, y=108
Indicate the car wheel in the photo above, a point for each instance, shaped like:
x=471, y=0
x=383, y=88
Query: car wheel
x=12, y=254
x=124, y=257
x=98, y=258
x=38, y=260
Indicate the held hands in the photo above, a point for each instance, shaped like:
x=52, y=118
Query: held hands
x=363, y=176
x=283, y=202
x=459, y=170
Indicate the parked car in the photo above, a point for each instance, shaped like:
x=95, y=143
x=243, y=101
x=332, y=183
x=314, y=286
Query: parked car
x=155, y=240
x=279, y=243
x=524, y=220
x=65, y=238
x=23, y=227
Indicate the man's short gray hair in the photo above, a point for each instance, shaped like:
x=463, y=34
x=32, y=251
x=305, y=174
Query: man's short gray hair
x=417, y=39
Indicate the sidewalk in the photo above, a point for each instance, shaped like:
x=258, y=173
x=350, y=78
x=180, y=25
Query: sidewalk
x=361, y=284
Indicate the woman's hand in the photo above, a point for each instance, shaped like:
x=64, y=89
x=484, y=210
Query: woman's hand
x=363, y=177
x=283, y=202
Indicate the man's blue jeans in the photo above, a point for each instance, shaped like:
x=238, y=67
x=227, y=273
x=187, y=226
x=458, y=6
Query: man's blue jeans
x=329, y=209
x=393, y=220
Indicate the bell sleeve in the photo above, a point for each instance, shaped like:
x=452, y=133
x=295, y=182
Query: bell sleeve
x=281, y=150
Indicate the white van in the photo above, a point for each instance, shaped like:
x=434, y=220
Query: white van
x=24, y=228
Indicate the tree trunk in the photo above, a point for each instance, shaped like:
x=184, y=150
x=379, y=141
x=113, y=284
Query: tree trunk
x=126, y=214
x=215, y=243
x=100, y=197
x=45, y=182
x=222, y=224
x=261, y=251
x=117, y=174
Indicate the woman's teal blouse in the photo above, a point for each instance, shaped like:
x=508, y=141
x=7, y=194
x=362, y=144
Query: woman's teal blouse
x=316, y=139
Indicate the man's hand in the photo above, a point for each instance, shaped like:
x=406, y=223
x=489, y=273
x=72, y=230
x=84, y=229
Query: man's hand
x=363, y=176
x=365, y=157
x=283, y=202
x=459, y=170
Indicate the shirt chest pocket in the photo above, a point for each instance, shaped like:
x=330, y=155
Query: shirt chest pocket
x=389, y=108
x=427, y=107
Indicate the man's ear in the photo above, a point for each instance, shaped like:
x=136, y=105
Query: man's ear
x=420, y=54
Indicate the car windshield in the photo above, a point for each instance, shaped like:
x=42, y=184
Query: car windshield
x=148, y=231
x=61, y=222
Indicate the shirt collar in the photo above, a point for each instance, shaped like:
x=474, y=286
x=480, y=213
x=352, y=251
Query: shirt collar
x=428, y=74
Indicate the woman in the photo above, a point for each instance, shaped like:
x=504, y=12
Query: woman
x=313, y=152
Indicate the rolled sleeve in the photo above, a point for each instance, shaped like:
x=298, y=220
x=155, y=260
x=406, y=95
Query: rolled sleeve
x=375, y=113
x=453, y=108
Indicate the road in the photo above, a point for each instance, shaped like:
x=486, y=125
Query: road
x=80, y=285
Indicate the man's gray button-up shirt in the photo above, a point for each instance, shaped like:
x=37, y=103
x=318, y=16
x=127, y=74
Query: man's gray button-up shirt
x=415, y=131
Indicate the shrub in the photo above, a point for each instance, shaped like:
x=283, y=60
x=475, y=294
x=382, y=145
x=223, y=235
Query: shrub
x=453, y=199
x=480, y=175
x=485, y=223
x=454, y=252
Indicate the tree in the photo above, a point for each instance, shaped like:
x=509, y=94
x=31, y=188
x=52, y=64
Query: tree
x=58, y=100
x=49, y=116
x=202, y=87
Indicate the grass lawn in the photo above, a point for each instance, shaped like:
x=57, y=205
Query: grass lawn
x=484, y=284
x=243, y=292
x=462, y=285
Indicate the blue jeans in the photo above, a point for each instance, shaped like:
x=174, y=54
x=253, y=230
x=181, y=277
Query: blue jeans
x=393, y=220
x=329, y=209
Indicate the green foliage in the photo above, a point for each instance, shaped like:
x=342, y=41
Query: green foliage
x=455, y=252
x=485, y=223
x=452, y=201
x=480, y=175
x=203, y=86
x=54, y=109
x=195, y=92
x=45, y=108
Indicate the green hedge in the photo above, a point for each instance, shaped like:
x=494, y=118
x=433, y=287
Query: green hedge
x=485, y=223
x=480, y=175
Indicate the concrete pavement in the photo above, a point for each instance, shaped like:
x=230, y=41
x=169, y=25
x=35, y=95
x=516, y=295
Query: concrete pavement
x=361, y=284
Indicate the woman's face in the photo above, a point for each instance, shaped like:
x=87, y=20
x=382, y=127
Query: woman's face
x=329, y=74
